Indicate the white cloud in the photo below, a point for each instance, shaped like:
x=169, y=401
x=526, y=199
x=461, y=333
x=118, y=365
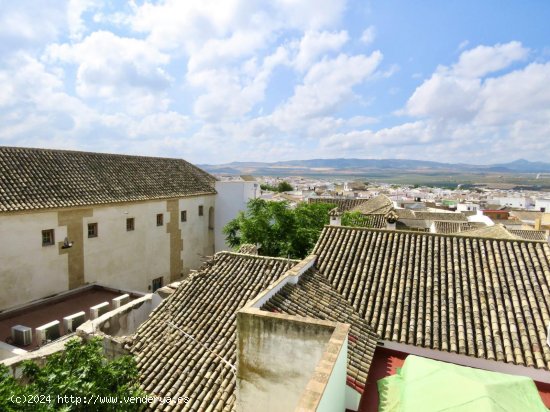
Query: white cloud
x=35, y=101
x=75, y=9
x=216, y=52
x=520, y=95
x=315, y=44
x=311, y=15
x=117, y=69
x=232, y=93
x=326, y=86
x=445, y=97
x=369, y=34
x=30, y=24
x=464, y=113
x=483, y=60
x=457, y=92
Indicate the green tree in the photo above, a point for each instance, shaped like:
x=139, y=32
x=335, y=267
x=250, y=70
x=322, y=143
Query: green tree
x=278, y=229
x=268, y=188
x=81, y=371
x=284, y=186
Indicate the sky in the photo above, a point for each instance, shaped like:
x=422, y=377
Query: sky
x=241, y=80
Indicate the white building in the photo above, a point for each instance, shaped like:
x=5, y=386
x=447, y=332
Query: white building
x=233, y=197
x=68, y=219
x=542, y=204
x=518, y=202
x=467, y=207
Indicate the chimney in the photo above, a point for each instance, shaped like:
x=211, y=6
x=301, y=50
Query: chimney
x=391, y=220
x=335, y=217
x=537, y=224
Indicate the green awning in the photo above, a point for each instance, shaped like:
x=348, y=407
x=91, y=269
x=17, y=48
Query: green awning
x=429, y=386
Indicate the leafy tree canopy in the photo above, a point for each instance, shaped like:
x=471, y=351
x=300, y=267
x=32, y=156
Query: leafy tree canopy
x=278, y=229
x=284, y=186
x=79, y=371
x=281, y=187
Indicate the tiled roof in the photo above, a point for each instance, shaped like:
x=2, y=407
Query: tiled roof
x=421, y=220
x=492, y=232
x=510, y=223
x=203, y=307
x=529, y=234
x=41, y=178
x=473, y=296
x=405, y=213
x=442, y=226
x=378, y=204
x=375, y=220
x=413, y=224
x=313, y=297
x=527, y=215
x=342, y=204
x=248, y=248
x=454, y=216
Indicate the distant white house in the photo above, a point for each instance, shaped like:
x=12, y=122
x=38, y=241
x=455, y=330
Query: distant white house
x=467, y=207
x=542, y=204
x=519, y=202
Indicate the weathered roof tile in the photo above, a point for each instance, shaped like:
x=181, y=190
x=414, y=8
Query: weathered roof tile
x=475, y=296
x=43, y=178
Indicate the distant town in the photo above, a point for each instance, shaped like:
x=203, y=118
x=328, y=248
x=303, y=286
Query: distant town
x=415, y=197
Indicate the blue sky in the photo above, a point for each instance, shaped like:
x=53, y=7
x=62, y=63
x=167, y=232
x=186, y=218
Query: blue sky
x=214, y=82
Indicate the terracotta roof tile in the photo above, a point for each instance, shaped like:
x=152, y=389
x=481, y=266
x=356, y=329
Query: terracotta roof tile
x=42, y=178
x=342, y=204
x=529, y=234
x=431, y=216
x=204, y=307
x=473, y=296
x=380, y=204
x=374, y=220
x=442, y=226
x=492, y=232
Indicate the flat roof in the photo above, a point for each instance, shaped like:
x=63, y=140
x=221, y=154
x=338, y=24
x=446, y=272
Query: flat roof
x=54, y=308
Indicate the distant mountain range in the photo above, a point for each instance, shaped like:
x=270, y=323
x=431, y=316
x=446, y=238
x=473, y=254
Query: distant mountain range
x=365, y=166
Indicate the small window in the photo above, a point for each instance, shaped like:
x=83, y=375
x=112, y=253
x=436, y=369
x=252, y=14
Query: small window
x=92, y=229
x=184, y=215
x=157, y=283
x=201, y=210
x=130, y=224
x=48, y=237
x=160, y=219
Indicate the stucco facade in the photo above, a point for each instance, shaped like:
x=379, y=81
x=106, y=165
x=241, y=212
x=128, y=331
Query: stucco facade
x=116, y=257
x=233, y=197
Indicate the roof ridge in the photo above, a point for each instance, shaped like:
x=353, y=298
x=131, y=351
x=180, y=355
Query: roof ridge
x=52, y=178
x=454, y=235
x=46, y=149
x=276, y=258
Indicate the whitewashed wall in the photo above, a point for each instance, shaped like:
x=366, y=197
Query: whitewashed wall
x=541, y=204
x=116, y=258
x=29, y=270
x=232, y=198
